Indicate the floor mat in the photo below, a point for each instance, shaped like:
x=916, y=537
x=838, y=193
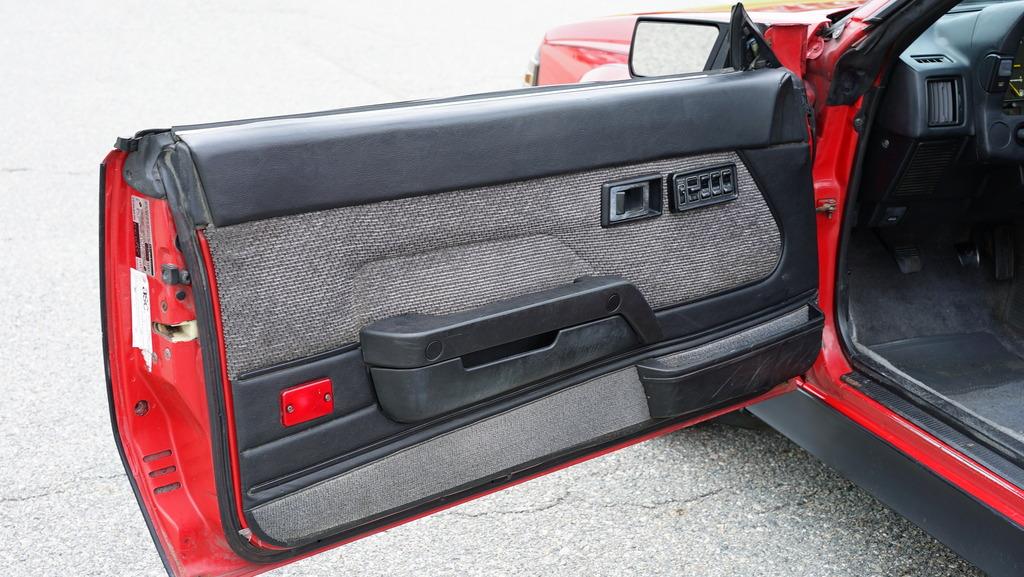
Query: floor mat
x=974, y=369
x=943, y=298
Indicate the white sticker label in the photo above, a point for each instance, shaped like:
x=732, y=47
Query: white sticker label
x=142, y=334
x=143, y=226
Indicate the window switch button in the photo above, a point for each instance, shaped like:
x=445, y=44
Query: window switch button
x=727, y=183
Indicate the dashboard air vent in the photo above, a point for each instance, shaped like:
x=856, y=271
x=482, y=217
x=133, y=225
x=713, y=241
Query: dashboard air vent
x=943, y=102
x=930, y=59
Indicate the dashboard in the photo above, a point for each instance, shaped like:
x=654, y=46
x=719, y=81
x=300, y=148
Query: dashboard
x=951, y=119
x=964, y=78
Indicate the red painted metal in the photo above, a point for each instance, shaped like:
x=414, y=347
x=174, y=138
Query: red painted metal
x=569, y=52
x=161, y=415
x=306, y=402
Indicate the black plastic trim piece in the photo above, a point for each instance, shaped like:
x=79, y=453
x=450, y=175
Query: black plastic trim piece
x=258, y=399
x=416, y=340
x=651, y=205
x=140, y=168
x=857, y=68
x=690, y=189
x=981, y=535
x=414, y=395
x=963, y=442
x=733, y=371
x=749, y=49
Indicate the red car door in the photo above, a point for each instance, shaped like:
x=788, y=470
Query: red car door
x=320, y=326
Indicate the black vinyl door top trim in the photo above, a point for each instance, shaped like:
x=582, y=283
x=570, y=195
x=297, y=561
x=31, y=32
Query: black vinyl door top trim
x=382, y=153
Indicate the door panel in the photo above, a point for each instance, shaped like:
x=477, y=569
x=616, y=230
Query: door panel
x=467, y=280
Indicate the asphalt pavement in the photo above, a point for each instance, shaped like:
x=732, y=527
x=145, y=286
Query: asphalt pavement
x=713, y=500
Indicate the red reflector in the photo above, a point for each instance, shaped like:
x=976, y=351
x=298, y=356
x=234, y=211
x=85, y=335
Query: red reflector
x=307, y=402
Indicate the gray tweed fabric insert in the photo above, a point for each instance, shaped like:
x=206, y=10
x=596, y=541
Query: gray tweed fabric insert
x=299, y=285
x=584, y=414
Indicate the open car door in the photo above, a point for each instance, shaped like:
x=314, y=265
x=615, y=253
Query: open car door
x=320, y=326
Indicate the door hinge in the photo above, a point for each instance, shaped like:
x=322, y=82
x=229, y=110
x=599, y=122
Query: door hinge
x=826, y=206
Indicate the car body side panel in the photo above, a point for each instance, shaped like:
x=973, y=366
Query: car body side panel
x=987, y=538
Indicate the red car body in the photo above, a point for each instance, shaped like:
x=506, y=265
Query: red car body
x=188, y=523
x=598, y=50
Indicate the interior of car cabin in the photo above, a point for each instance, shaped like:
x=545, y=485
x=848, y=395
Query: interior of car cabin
x=933, y=266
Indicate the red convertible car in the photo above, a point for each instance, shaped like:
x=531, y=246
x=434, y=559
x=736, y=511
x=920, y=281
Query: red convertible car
x=321, y=326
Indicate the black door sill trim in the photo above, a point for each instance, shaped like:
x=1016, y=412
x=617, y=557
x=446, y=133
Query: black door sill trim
x=933, y=408
x=973, y=448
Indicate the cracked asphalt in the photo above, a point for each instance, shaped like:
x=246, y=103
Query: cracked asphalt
x=713, y=500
